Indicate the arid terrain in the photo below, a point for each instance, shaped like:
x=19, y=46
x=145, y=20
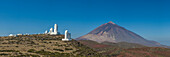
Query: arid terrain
x=42, y=45
x=124, y=49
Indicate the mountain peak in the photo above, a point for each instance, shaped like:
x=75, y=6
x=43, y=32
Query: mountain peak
x=110, y=32
x=111, y=22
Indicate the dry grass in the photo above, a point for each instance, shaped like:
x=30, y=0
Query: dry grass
x=21, y=45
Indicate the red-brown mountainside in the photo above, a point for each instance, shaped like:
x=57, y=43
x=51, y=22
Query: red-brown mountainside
x=111, y=32
x=123, y=49
x=141, y=52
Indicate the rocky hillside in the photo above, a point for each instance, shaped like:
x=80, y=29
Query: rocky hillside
x=43, y=45
x=111, y=32
x=51, y=46
x=124, y=49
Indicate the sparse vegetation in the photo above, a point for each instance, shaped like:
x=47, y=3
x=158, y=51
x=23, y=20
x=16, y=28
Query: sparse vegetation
x=52, y=46
x=68, y=49
x=43, y=45
x=31, y=50
x=8, y=51
x=3, y=54
x=28, y=55
x=127, y=49
x=59, y=50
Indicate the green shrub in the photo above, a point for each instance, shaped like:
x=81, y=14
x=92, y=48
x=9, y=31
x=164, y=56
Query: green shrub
x=3, y=54
x=59, y=50
x=68, y=49
x=29, y=55
x=8, y=51
x=31, y=50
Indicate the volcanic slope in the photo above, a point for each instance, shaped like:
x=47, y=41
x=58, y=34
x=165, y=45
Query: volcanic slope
x=111, y=32
x=124, y=49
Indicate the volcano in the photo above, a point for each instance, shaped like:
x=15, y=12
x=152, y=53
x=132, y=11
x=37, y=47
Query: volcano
x=111, y=32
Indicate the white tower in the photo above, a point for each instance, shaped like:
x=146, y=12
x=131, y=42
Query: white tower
x=56, y=29
x=67, y=36
x=51, y=30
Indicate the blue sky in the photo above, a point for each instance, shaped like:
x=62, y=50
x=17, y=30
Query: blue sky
x=148, y=18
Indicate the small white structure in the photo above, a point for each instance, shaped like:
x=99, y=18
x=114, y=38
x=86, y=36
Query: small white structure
x=46, y=32
x=19, y=34
x=53, y=32
x=12, y=35
x=26, y=34
x=67, y=36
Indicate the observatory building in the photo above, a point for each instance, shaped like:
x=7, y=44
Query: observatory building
x=67, y=36
x=53, y=31
x=12, y=35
